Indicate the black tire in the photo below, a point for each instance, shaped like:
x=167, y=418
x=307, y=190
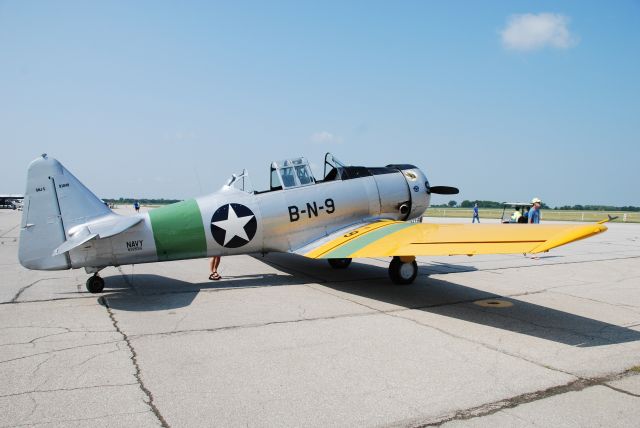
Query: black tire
x=339, y=263
x=95, y=284
x=402, y=273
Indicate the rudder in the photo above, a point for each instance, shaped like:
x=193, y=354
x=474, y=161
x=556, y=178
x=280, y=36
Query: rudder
x=54, y=202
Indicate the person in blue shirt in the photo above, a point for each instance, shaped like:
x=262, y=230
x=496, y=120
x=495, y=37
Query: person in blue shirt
x=136, y=205
x=476, y=216
x=534, y=212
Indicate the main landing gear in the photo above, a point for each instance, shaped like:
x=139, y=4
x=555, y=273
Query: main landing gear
x=403, y=270
x=95, y=284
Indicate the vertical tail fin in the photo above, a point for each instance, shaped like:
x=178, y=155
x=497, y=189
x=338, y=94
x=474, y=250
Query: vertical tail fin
x=54, y=201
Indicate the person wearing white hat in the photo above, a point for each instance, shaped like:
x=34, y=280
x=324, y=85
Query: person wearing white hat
x=534, y=212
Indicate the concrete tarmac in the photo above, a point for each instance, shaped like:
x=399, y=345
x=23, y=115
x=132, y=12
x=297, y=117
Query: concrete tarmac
x=286, y=341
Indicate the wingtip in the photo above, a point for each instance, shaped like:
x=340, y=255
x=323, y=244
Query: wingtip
x=572, y=235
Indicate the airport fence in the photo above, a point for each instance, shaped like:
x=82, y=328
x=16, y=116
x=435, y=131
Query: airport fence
x=557, y=215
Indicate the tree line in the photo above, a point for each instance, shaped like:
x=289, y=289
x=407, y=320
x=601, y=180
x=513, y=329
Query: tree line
x=143, y=201
x=493, y=204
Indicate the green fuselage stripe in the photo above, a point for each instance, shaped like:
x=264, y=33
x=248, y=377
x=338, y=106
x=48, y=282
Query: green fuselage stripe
x=351, y=247
x=178, y=231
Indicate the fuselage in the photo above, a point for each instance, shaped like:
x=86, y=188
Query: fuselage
x=232, y=221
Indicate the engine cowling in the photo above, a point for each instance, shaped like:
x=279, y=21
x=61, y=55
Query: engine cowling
x=419, y=196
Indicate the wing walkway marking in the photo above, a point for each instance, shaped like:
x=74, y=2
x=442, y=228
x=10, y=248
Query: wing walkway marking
x=345, y=250
x=344, y=238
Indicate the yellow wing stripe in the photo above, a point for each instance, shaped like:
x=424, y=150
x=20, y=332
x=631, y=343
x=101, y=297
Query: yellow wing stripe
x=347, y=237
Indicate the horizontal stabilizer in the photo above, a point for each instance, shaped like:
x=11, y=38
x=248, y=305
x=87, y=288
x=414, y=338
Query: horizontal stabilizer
x=112, y=225
x=103, y=227
x=73, y=243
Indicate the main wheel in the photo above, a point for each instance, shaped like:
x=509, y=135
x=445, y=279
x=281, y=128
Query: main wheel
x=95, y=284
x=402, y=273
x=339, y=263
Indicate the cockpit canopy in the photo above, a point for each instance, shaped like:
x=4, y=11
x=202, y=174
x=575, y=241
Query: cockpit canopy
x=291, y=173
x=296, y=172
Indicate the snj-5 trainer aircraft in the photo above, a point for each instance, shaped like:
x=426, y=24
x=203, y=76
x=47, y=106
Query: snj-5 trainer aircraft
x=352, y=212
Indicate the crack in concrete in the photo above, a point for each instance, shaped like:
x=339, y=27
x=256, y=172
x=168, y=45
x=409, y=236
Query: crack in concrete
x=134, y=360
x=54, y=299
x=128, y=280
x=50, y=422
x=34, y=340
x=622, y=391
x=57, y=350
x=98, y=356
x=66, y=389
x=40, y=364
x=3, y=235
x=23, y=289
x=496, y=406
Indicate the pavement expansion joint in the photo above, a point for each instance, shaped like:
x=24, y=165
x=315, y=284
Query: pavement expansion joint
x=494, y=407
x=569, y=262
x=550, y=327
x=484, y=345
x=631, y=308
x=134, y=360
x=397, y=314
x=255, y=325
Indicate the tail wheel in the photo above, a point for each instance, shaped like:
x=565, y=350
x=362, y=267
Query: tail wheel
x=403, y=273
x=339, y=263
x=95, y=284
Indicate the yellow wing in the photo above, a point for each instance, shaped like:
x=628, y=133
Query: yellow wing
x=396, y=238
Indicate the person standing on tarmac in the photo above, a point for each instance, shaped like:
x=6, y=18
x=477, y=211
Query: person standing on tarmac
x=213, y=265
x=534, y=212
x=476, y=216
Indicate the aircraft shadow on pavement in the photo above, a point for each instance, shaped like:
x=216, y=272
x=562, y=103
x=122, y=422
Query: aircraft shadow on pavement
x=453, y=300
x=147, y=292
x=320, y=271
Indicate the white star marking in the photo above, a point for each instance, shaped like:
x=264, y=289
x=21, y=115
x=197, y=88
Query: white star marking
x=233, y=226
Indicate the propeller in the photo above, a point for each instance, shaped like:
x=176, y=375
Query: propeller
x=443, y=190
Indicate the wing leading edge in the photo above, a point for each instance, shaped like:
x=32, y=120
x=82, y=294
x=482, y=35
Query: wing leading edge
x=396, y=238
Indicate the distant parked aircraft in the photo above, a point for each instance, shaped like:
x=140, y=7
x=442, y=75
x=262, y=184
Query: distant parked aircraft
x=11, y=201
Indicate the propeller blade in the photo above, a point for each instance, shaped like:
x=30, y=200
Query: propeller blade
x=444, y=190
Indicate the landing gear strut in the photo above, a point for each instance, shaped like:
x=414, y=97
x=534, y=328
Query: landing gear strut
x=339, y=263
x=403, y=270
x=95, y=284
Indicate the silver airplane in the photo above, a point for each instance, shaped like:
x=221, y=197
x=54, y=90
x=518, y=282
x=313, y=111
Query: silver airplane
x=353, y=212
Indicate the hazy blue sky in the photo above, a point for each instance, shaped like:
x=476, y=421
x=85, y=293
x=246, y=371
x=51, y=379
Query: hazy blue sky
x=506, y=100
